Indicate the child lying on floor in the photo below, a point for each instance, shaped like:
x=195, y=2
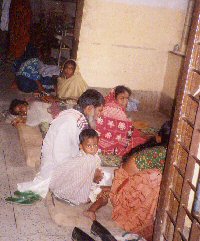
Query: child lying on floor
x=79, y=180
x=31, y=114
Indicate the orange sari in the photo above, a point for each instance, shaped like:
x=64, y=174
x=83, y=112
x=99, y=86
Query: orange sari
x=19, y=26
x=134, y=199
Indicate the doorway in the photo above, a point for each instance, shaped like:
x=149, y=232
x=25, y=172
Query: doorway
x=178, y=213
x=58, y=22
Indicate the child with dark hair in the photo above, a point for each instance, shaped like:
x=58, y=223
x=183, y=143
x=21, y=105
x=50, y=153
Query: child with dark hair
x=18, y=107
x=31, y=114
x=73, y=179
x=79, y=180
x=87, y=134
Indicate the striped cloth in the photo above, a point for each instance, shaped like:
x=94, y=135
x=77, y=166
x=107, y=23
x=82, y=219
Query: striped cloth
x=72, y=181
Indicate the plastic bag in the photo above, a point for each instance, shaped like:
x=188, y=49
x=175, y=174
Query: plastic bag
x=132, y=105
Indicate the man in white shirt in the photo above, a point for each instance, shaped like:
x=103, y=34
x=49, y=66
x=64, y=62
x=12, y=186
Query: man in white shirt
x=62, y=139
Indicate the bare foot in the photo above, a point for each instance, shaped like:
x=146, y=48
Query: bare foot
x=89, y=214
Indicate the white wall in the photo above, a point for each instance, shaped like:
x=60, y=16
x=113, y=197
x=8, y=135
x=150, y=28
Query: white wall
x=174, y=4
x=127, y=41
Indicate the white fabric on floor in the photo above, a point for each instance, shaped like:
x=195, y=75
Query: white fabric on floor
x=38, y=113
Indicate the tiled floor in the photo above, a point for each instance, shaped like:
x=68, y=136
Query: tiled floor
x=20, y=223
x=26, y=223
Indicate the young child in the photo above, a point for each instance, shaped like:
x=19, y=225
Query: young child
x=31, y=114
x=103, y=176
x=74, y=180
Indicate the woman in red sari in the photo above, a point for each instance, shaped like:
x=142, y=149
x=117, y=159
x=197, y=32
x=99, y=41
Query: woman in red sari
x=117, y=133
x=19, y=26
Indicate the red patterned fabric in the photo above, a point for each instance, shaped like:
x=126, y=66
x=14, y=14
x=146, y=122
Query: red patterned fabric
x=117, y=134
x=134, y=199
x=19, y=26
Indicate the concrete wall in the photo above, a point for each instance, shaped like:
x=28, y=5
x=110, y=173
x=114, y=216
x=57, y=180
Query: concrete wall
x=172, y=73
x=127, y=41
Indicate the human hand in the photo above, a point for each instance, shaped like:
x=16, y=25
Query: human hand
x=49, y=99
x=18, y=121
x=36, y=94
x=106, y=188
x=98, y=176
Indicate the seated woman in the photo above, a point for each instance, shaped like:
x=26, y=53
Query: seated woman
x=135, y=189
x=117, y=133
x=28, y=78
x=71, y=83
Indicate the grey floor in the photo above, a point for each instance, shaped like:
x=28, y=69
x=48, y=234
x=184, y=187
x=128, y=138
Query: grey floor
x=19, y=223
x=27, y=223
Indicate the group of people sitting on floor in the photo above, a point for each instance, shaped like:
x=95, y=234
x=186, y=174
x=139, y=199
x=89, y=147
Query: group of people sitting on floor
x=32, y=75
x=71, y=167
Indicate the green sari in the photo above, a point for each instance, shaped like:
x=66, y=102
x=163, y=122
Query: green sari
x=151, y=158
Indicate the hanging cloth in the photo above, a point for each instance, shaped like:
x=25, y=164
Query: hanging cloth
x=5, y=15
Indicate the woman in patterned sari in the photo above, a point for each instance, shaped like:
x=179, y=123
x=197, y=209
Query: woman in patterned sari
x=117, y=133
x=136, y=185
